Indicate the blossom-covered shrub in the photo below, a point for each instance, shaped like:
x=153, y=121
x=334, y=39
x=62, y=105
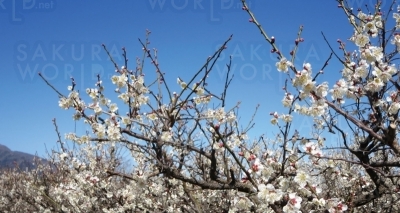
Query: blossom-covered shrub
x=189, y=153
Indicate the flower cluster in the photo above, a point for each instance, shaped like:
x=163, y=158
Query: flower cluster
x=185, y=156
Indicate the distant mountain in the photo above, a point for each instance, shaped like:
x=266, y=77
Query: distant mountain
x=12, y=159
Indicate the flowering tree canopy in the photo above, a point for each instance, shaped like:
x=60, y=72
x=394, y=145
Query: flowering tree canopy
x=189, y=153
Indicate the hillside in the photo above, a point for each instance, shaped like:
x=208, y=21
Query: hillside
x=10, y=159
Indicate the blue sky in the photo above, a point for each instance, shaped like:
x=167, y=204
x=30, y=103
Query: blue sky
x=63, y=38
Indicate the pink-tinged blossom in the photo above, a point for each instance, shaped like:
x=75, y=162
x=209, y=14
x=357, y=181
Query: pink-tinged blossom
x=256, y=166
x=287, y=100
x=307, y=66
x=335, y=206
x=312, y=148
x=293, y=205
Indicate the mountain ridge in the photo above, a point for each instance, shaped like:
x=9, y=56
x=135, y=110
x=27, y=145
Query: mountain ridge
x=15, y=159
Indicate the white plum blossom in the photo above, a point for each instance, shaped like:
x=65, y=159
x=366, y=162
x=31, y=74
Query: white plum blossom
x=348, y=70
x=315, y=110
x=307, y=66
x=141, y=100
x=113, y=108
x=152, y=116
x=198, y=89
x=284, y=183
x=370, y=26
x=119, y=80
x=71, y=136
x=92, y=93
x=286, y=118
x=172, y=138
x=396, y=16
x=99, y=130
x=268, y=193
x=322, y=89
x=283, y=65
x=319, y=202
x=166, y=136
x=287, y=100
x=84, y=139
x=113, y=133
x=242, y=203
x=339, y=89
x=104, y=101
x=309, y=86
x=230, y=117
x=181, y=83
x=219, y=146
x=375, y=85
x=63, y=156
x=384, y=76
x=396, y=40
x=312, y=149
x=274, y=121
x=301, y=78
x=316, y=189
x=126, y=120
x=65, y=103
x=362, y=70
x=97, y=109
x=319, y=123
x=394, y=108
x=361, y=40
x=301, y=179
x=197, y=100
x=220, y=114
x=372, y=54
x=124, y=97
x=362, y=16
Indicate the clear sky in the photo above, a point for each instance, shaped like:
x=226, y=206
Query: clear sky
x=63, y=38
